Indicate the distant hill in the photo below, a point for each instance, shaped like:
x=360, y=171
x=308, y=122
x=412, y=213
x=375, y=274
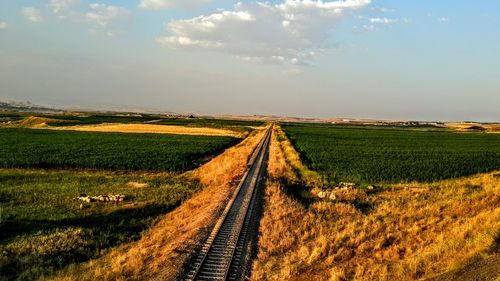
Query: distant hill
x=25, y=107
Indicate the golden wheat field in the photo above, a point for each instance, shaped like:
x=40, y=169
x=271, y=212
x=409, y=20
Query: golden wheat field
x=151, y=129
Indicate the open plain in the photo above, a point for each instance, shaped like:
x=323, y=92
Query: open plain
x=338, y=203
x=249, y=140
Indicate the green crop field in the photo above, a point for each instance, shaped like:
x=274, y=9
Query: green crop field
x=43, y=227
x=97, y=119
x=14, y=119
x=212, y=123
x=235, y=125
x=9, y=117
x=32, y=148
x=394, y=155
x=69, y=120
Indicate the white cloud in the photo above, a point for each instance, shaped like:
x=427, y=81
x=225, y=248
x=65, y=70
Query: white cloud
x=443, y=19
x=3, y=25
x=32, y=14
x=369, y=27
x=188, y=42
x=96, y=13
x=103, y=14
x=163, y=4
x=290, y=32
x=383, y=10
x=99, y=17
x=383, y=20
x=59, y=6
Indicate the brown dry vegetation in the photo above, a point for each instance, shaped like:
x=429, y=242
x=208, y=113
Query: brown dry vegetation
x=405, y=235
x=151, y=128
x=489, y=128
x=36, y=122
x=164, y=249
x=287, y=158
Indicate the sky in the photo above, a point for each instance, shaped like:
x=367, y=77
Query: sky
x=381, y=59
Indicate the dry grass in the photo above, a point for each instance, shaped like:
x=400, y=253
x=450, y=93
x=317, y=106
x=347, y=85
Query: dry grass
x=490, y=128
x=163, y=250
x=151, y=128
x=35, y=122
x=292, y=159
x=405, y=236
x=137, y=184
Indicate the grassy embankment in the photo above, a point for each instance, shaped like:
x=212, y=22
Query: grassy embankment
x=391, y=233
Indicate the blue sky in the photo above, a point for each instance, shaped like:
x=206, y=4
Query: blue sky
x=424, y=60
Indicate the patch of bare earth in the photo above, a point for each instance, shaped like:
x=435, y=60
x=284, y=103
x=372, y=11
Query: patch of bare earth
x=163, y=251
x=402, y=235
x=151, y=129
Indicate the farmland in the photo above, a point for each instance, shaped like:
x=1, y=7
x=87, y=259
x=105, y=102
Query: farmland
x=192, y=122
x=404, y=234
x=393, y=155
x=30, y=148
x=208, y=122
x=195, y=122
x=167, y=246
x=9, y=117
x=75, y=119
x=152, y=129
x=44, y=228
x=96, y=119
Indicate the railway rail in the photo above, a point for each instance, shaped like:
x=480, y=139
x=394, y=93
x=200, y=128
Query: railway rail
x=225, y=253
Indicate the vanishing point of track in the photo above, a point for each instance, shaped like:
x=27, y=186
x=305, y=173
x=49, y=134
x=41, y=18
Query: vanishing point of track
x=223, y=255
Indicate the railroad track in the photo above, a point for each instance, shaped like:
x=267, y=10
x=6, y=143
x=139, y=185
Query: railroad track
x=224, y=254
